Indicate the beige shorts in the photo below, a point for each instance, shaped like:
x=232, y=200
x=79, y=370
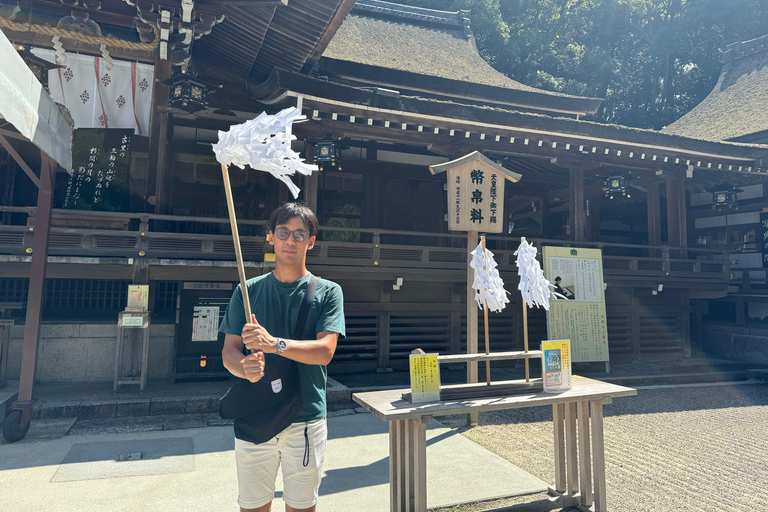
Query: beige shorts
x=301, y=460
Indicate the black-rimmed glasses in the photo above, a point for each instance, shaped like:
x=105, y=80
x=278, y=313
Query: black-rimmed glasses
x=299, y=234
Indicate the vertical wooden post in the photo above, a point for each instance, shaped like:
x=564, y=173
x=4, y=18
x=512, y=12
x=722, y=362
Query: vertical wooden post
x=311, y=182
x=487, y=333
x=673, y=213
x=682, y=213
x=472, y=241
x=654, y=218
x=525, y=340
x=578, y=215
x=598, y=455
x=36, y=292
x=585, y=470
x=384, y=337
x=572, y=464
x=558, y=416
x=158, y=132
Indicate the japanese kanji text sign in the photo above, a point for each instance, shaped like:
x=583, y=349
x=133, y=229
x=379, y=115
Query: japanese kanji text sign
x=581, y=318
x=475, y=193
x=100, y=170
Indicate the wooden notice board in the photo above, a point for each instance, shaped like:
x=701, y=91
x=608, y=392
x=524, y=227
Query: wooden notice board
x=582, y=317
x=475, y=186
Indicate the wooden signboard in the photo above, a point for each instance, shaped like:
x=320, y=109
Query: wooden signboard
x=100, y=170
x=581, y=318
x=475, y=193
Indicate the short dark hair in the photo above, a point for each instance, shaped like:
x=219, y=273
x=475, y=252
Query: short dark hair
x=289, y=210
x=557, y=278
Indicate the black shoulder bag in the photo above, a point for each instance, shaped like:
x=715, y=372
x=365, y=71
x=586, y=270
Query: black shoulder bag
x=265, y=408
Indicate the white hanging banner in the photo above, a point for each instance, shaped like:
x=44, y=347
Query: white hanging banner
x=264, y=144
x=489, y=288
x=534, y=287
x=100, y=96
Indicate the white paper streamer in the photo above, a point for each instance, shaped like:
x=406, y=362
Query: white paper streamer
x=489, y=288
x=534, y=287
x=264, y=144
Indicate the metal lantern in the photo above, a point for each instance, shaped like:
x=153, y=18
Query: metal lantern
x=189, y=92
x=328, y=153
x=38, y=66
x=726, y=198
x=615, y=185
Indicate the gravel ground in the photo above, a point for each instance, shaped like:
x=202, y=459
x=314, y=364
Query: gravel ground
x=669, y=449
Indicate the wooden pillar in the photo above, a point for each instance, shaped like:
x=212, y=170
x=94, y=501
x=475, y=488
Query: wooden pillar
x=686, y=325
x=158, y=133
x=311, y=182
x=682, y=213
x=673, y=213
x=654, y=218
x=36, y=287
x=593, y=211
x=472, y=325
x=578, y=213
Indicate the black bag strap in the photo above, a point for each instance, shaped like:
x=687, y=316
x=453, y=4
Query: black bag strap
x=301, y=320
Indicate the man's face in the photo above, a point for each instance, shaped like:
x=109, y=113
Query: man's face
x=289, y=251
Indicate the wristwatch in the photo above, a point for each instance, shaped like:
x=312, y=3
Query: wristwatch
x=281, y=346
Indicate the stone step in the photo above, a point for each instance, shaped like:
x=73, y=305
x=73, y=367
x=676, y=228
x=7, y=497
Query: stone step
x=761, y=374
x=84, y=408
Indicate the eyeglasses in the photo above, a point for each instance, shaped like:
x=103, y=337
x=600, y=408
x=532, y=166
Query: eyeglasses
x=299, y=234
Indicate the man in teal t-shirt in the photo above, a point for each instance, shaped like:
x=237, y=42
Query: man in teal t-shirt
x=275, y=301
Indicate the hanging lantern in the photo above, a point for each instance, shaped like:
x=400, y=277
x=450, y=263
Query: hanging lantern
x=616, y=185
x=726, y=198
x=328, y=153
x=189, y=92
x=38, y=66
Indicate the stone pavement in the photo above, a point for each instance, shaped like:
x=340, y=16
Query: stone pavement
x=194, y=469
x=680, y=445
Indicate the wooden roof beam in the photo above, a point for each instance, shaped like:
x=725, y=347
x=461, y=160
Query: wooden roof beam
x=19, y=160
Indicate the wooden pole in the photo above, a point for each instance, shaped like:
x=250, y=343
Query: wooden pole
x=472, y=240
x=236, y=241
x=485, y=321
x=525, y=340
x=37, y=280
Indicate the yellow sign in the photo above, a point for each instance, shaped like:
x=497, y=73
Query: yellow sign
x=580, y=317
x=425, y=378
x=138, y=297
x=556, y=365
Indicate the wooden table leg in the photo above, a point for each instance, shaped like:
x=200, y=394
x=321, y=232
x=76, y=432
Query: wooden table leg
x=397, y=459
x=572, y=462
x=416, y=466
x=585, y=471
x=558, y=415
x=598, y=455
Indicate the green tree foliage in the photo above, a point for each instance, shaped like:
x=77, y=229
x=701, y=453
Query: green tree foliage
x=652, y=60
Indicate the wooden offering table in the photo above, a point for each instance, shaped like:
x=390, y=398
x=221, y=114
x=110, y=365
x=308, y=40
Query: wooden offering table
x=582, y=405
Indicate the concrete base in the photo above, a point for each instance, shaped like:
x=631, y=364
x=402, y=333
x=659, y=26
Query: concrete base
x=8, y=394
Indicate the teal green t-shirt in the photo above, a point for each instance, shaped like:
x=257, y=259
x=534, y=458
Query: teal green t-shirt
x=276, y=306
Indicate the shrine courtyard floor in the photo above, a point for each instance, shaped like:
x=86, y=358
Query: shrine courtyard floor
x=693, y=439
x=669, y=449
